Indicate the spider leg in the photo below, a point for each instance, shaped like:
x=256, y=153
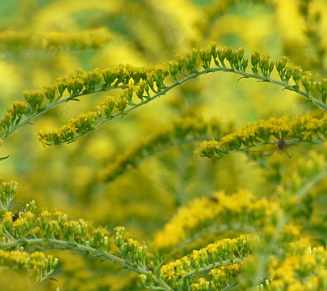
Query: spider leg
x=270, y=154
x=289, y=155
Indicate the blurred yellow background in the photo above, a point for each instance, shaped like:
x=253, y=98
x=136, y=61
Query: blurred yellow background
x=41, y=40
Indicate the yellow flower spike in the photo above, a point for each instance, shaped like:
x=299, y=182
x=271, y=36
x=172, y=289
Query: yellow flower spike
x=50, y=92
x=300, y=268
x=201, y=285
x=154, y=77
x=184, y=130
x=203, y=258
x=205, y=55
x=34, y=98
x=53, y=42
x=284, y=131
x=74, y=85
x=19, y=222
x=18, y=108
x=92, y=79
x=38, y=264
x=242, y=205
x=7, y=219
x=224, y=275
x=121, y=103
x=255, y=59
x=61, y=84
x=291, y=233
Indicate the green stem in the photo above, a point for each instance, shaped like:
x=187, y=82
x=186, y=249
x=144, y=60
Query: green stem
x=51, y=105
x=283, y=220
x=60, y=244
x=194, y=75
x=118, y=170
x=211, y=266
x=311, y=183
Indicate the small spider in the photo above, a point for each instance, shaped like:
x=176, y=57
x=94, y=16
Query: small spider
x=282, y=146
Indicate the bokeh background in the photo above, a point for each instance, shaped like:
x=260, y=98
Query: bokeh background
x=41, y=40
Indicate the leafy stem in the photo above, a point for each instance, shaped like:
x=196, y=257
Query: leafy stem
x=93, y=252
x=144, y=82
x=54, y=104
x=192, y=76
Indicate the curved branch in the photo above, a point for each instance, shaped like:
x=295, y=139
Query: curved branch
x=93, y=252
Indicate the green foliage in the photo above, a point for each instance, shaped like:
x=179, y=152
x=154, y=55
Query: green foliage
x=249, y=217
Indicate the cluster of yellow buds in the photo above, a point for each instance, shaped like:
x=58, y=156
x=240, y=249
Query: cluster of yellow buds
x=34, y=98
x=302, y=268
x=143, y=84
x=263, y=61
x=14, y=113
x=130, y=249
x=201, y=285
x=38, y=265
x=286, y=72
x=53, y=41
x=81, y=124
x=301, y=129
x=50, y=226
x=235, y=57
x=239, y=211
x=82, y=83
x=221, y=253
x=7, y=193
x=100, y=239
x=298, y=189
x=225, y=276
x=54, y=230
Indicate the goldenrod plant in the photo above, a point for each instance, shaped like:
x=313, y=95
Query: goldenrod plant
x=131, y=161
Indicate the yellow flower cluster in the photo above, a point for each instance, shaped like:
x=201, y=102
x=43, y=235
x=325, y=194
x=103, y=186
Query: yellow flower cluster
x=129, y=248
x=39, y=265
x=278, y=131
x=83, y=123
x=14, y=113
x=138, y=82
x=216, y=254
x=7, y=193
x=27, y=224
x=143, y=84
x=53, y=230
x=241, y=210
x=183, y=131
x=303, y=171
x=201, y=285
x=225, y=275
x=302, y=269
x=21, y=41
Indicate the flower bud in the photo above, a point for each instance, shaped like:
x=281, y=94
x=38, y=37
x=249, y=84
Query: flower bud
x=281, y=64
x=173, y=68
x=109, y=76
x=297, y=74
x=121, y=103
x=205, y=55
x=255, y=58
x=34, y=98
x=50, y=92
x=61, y=85
x=221, y=55
x=213, y=49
